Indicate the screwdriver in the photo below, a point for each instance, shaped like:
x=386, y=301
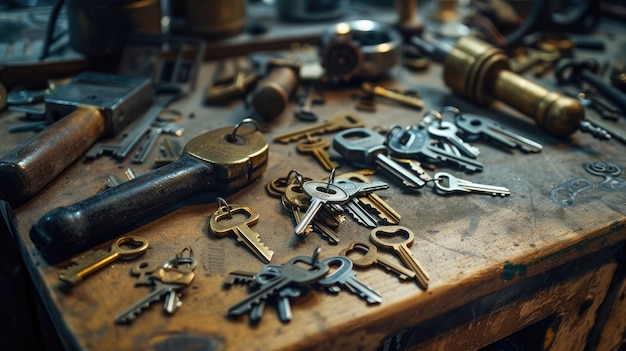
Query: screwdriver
x=481, y=73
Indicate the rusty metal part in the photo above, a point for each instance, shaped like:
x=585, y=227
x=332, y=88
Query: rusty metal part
x=481, y=73
x=89, y=107
x=272, y=93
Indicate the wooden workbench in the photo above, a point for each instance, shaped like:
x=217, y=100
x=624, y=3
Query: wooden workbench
x=498, y=265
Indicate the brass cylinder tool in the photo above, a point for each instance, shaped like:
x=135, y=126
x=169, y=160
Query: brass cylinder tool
x=271, y=95
x=481, y=73
x=87, y=108
x=222, y=161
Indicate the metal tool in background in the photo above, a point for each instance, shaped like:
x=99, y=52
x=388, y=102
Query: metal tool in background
x=232, y=79
x=87, y=108
x=360, y=49
x=480, y=73
x=221, y=161
x=271, y=94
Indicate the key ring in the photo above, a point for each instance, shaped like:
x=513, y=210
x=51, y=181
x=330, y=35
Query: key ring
x=389, y=231
x=233, y=136
x=224, y=205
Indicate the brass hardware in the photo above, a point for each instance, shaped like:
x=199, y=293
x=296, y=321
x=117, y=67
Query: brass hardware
x=481, y=73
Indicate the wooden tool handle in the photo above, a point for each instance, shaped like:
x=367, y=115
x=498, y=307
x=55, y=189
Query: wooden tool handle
x=36, y=162
x=66, y=231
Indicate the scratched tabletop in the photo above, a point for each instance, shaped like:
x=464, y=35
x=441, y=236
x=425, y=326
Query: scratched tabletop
x=471, y=245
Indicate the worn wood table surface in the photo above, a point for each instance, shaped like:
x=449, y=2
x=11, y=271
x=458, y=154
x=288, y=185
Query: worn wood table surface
x=471, y=245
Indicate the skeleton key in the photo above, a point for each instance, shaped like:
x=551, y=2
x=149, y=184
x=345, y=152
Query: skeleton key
x=384, y=211
x=91, y=262
x=344, y=277
x=371, y=256
x=339, y=121
x=366, y=147
x=353, y=206
x=318, y=147
x=320, y=193
x=221, y=160
x=447, y=131
x=380, y=237
x=166, y=280
x=224, y=222
x=291, y=273
x=448, y=183
x=480, y=126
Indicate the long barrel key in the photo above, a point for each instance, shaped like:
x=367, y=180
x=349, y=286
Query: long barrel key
x=223, y=160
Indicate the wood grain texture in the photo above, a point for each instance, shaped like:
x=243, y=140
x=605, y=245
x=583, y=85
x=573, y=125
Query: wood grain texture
x=472, y=246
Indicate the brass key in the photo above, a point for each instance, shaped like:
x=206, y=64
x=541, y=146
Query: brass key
x=371, y=256
x=317, y=147
x=224, y=222
x=125, y=247
x=340, y=121
x=381, y=237
x=222, y=160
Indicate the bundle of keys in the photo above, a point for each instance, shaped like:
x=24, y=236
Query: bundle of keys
x=278, y=283
x=167, y=281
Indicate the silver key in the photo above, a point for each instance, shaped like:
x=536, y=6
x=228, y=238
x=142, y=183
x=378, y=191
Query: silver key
x=167, y=281
x=415, y=142
x=449, y=183
x=283, y=306
x=344, y=277
x=353, y=206
x=481, y=126
x=291, y=273
x=447, y=131
x=366, y=147
x=320, y=193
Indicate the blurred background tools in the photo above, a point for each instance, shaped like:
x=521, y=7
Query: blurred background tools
x=87, y=108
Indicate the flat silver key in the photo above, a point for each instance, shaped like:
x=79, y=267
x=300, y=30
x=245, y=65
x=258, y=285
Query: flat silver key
x=370, y=257
x=365, y=147
x=320, y=193
x=292, y=272
x=382, y=237
x=447, y=131
x=447, y=183
x=344, y=277
x=166, y=280
x=415, y=142
x=373, y=202
x=353, y=206
x=478, y=126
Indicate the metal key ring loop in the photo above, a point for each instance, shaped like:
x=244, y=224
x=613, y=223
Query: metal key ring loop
x=391, y=131
x=175, y=262
x=222, y=204
x=392, y=230
x=134, y=249
x=244, y=121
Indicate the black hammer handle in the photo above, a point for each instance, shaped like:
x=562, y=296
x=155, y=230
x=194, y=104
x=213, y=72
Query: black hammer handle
x=66, y=231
